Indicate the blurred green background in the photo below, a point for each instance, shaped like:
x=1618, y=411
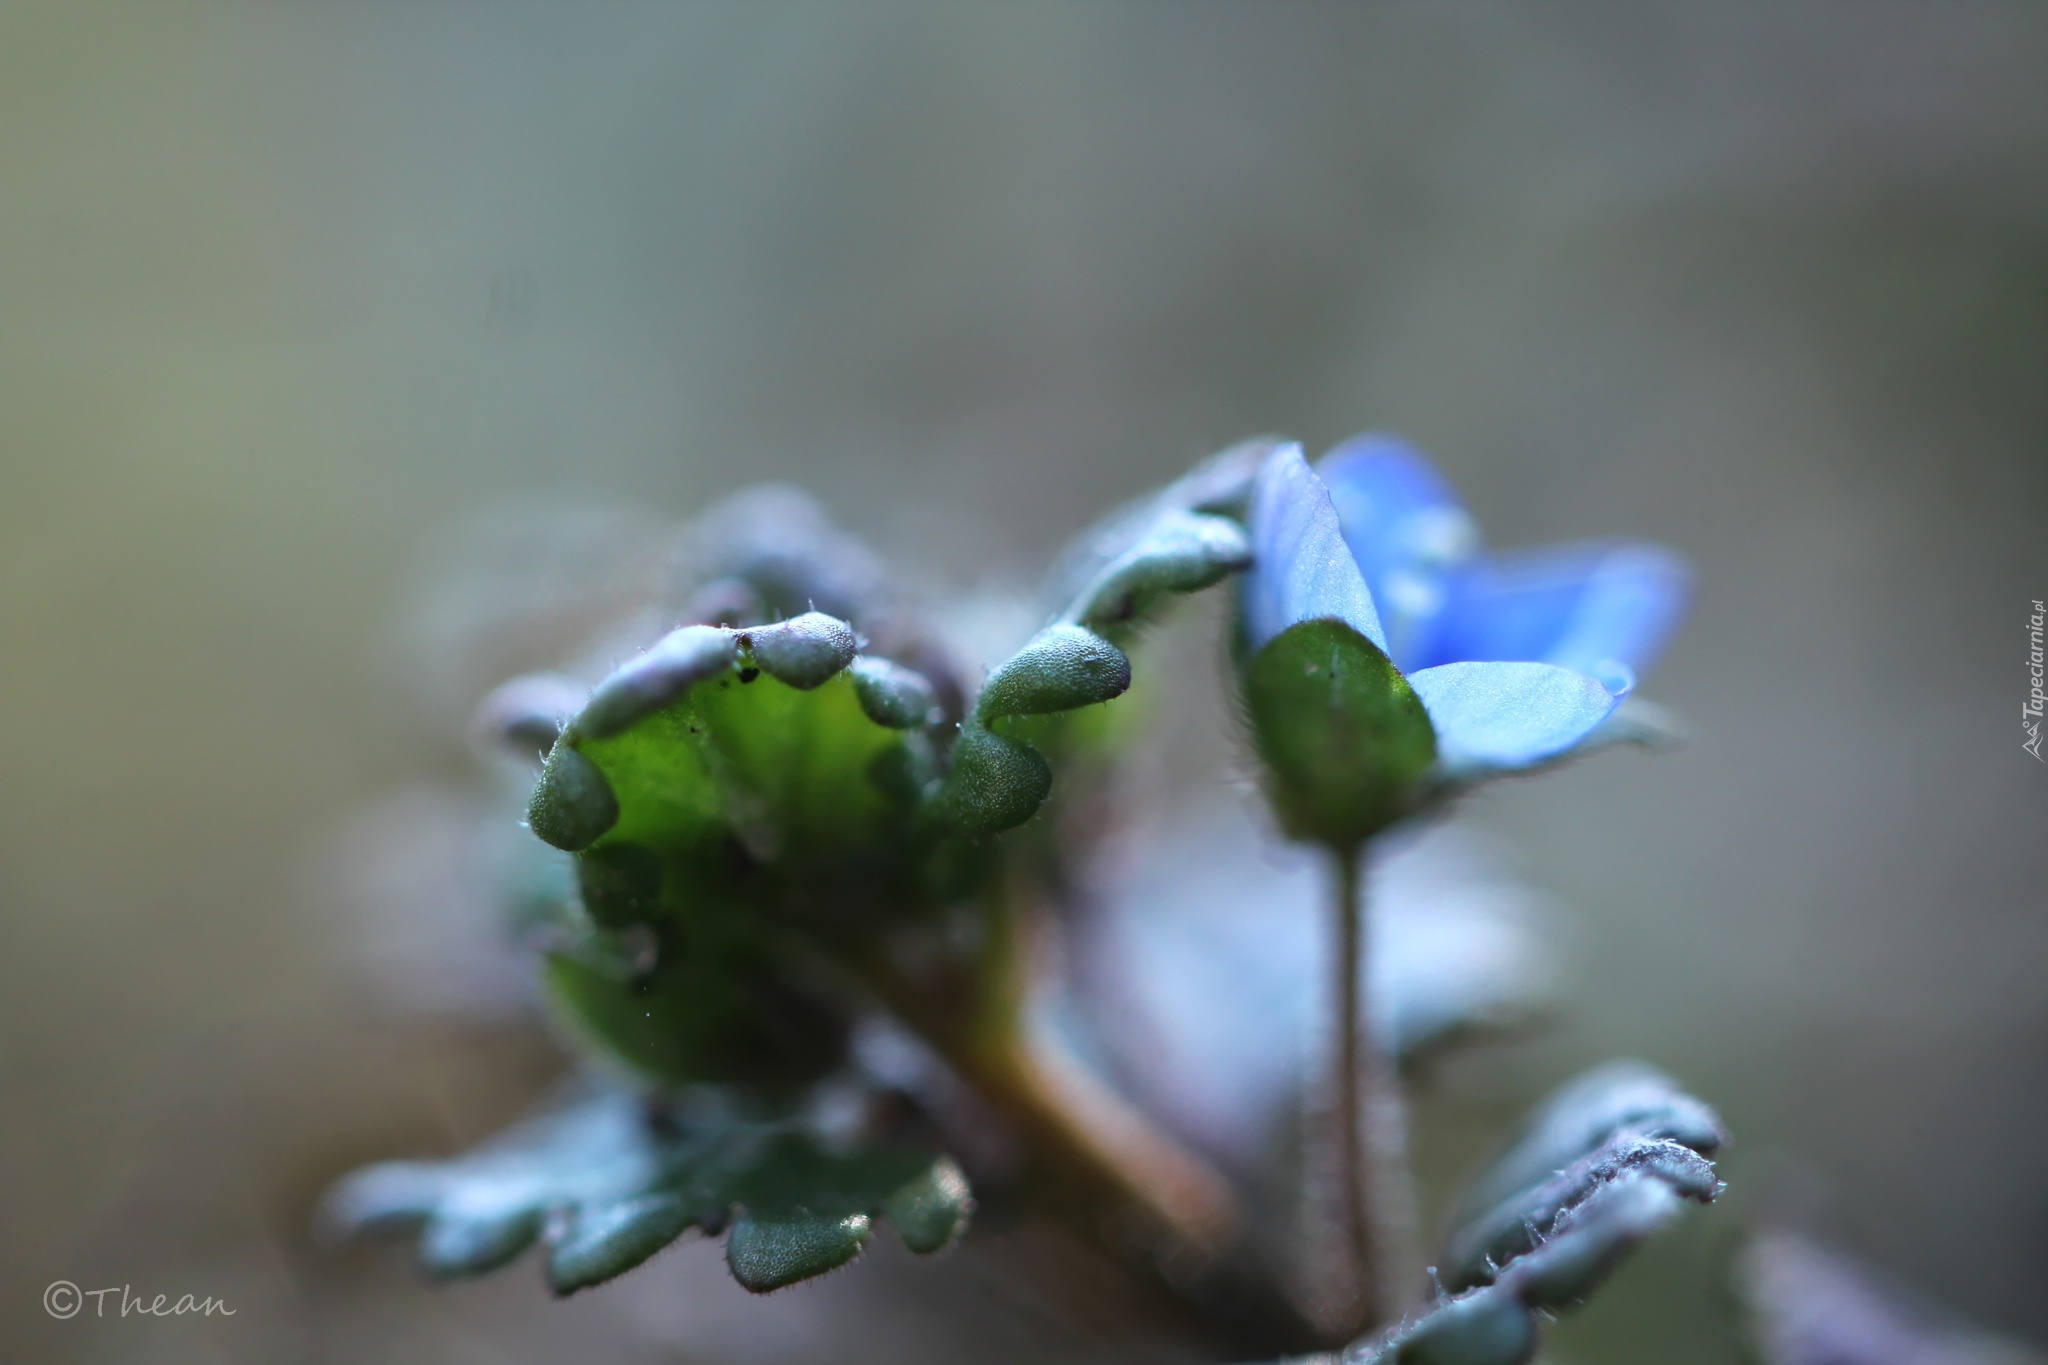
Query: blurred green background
x=292, y=294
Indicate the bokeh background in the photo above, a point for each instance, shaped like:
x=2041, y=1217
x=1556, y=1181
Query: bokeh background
x=333, y=338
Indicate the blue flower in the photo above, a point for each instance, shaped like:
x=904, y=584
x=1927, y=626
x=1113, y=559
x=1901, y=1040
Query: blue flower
x=1517, y=658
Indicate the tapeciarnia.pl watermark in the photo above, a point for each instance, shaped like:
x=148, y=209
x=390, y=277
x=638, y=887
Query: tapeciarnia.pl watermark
x=63, y=1299
x=2030, y=714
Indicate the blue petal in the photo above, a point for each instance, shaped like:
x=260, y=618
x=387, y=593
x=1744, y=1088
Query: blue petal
x=1584, y=607
x=1508, y=715
x=1406, y=530
x=1301, y=569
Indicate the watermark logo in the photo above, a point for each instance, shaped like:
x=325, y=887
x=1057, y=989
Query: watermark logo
x=63, y=1299
x=2030, y=714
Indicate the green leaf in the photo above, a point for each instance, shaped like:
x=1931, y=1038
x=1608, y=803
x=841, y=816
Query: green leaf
x=573, y=805
x=462, y=1240
x=620, y=885
x=724, y=789
x=892, y=695
x=793, y=768
x=1059, y=669
x=1180, y=552
x=767, y=1254
x=682, y=755
x=1619, y=1098
x=804, y=650
x=1487, y=1328
x=719, y=1012
x=1518, y=1225
x=612, y=1178
x=644, y=685
x=1559, y=1232
x=604, y=1241
x=1342, y=737
x=995, y=783
x=933, y=1208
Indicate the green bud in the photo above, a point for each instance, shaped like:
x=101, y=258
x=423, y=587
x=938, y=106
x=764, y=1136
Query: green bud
x=995, y=783
x=805, y=651
x=572, y=805
x=1060, y=668
x=640, y=687
x=893, y=696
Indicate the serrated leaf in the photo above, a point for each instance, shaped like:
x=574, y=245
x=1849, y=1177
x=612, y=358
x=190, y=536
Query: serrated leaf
x=995, y=783
x=784, y=769
x=573, y=805
x=1220, y=484
x=603, y=1241
x=933, y=1208
x=892, y=695
x=804, y=650
x=461, y=1240
x=1489, y=1327
x=611, y=1179
x=719, y=1012
x=1520, y=1222
x=1613, y=1099
x=1179, y=552
x=644, y=685
x=1341, y=736
x=1557, y=1233
x=768, y=1254
x=620, y=885
x=720, y=795
x=1591, y=1239
x=1062, y=668
x=794, y=766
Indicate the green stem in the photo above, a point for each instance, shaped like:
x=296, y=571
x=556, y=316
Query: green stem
x=1377, y=1198
x=1355, y=1197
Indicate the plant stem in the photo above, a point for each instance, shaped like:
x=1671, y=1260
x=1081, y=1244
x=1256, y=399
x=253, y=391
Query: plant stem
x=1377, y=1199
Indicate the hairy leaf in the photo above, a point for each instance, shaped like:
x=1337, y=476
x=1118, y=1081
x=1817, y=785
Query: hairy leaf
x=1062, y=668
x=996, y=783
x=1559, y=1230
x=610, y=1180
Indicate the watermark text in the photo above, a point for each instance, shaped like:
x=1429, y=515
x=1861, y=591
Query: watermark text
x=2030, y=714
x=63, y=1299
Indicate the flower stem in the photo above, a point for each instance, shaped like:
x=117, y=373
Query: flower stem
x=1377, y=1197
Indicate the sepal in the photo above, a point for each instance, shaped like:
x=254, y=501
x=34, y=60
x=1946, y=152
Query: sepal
x=1342, y=737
